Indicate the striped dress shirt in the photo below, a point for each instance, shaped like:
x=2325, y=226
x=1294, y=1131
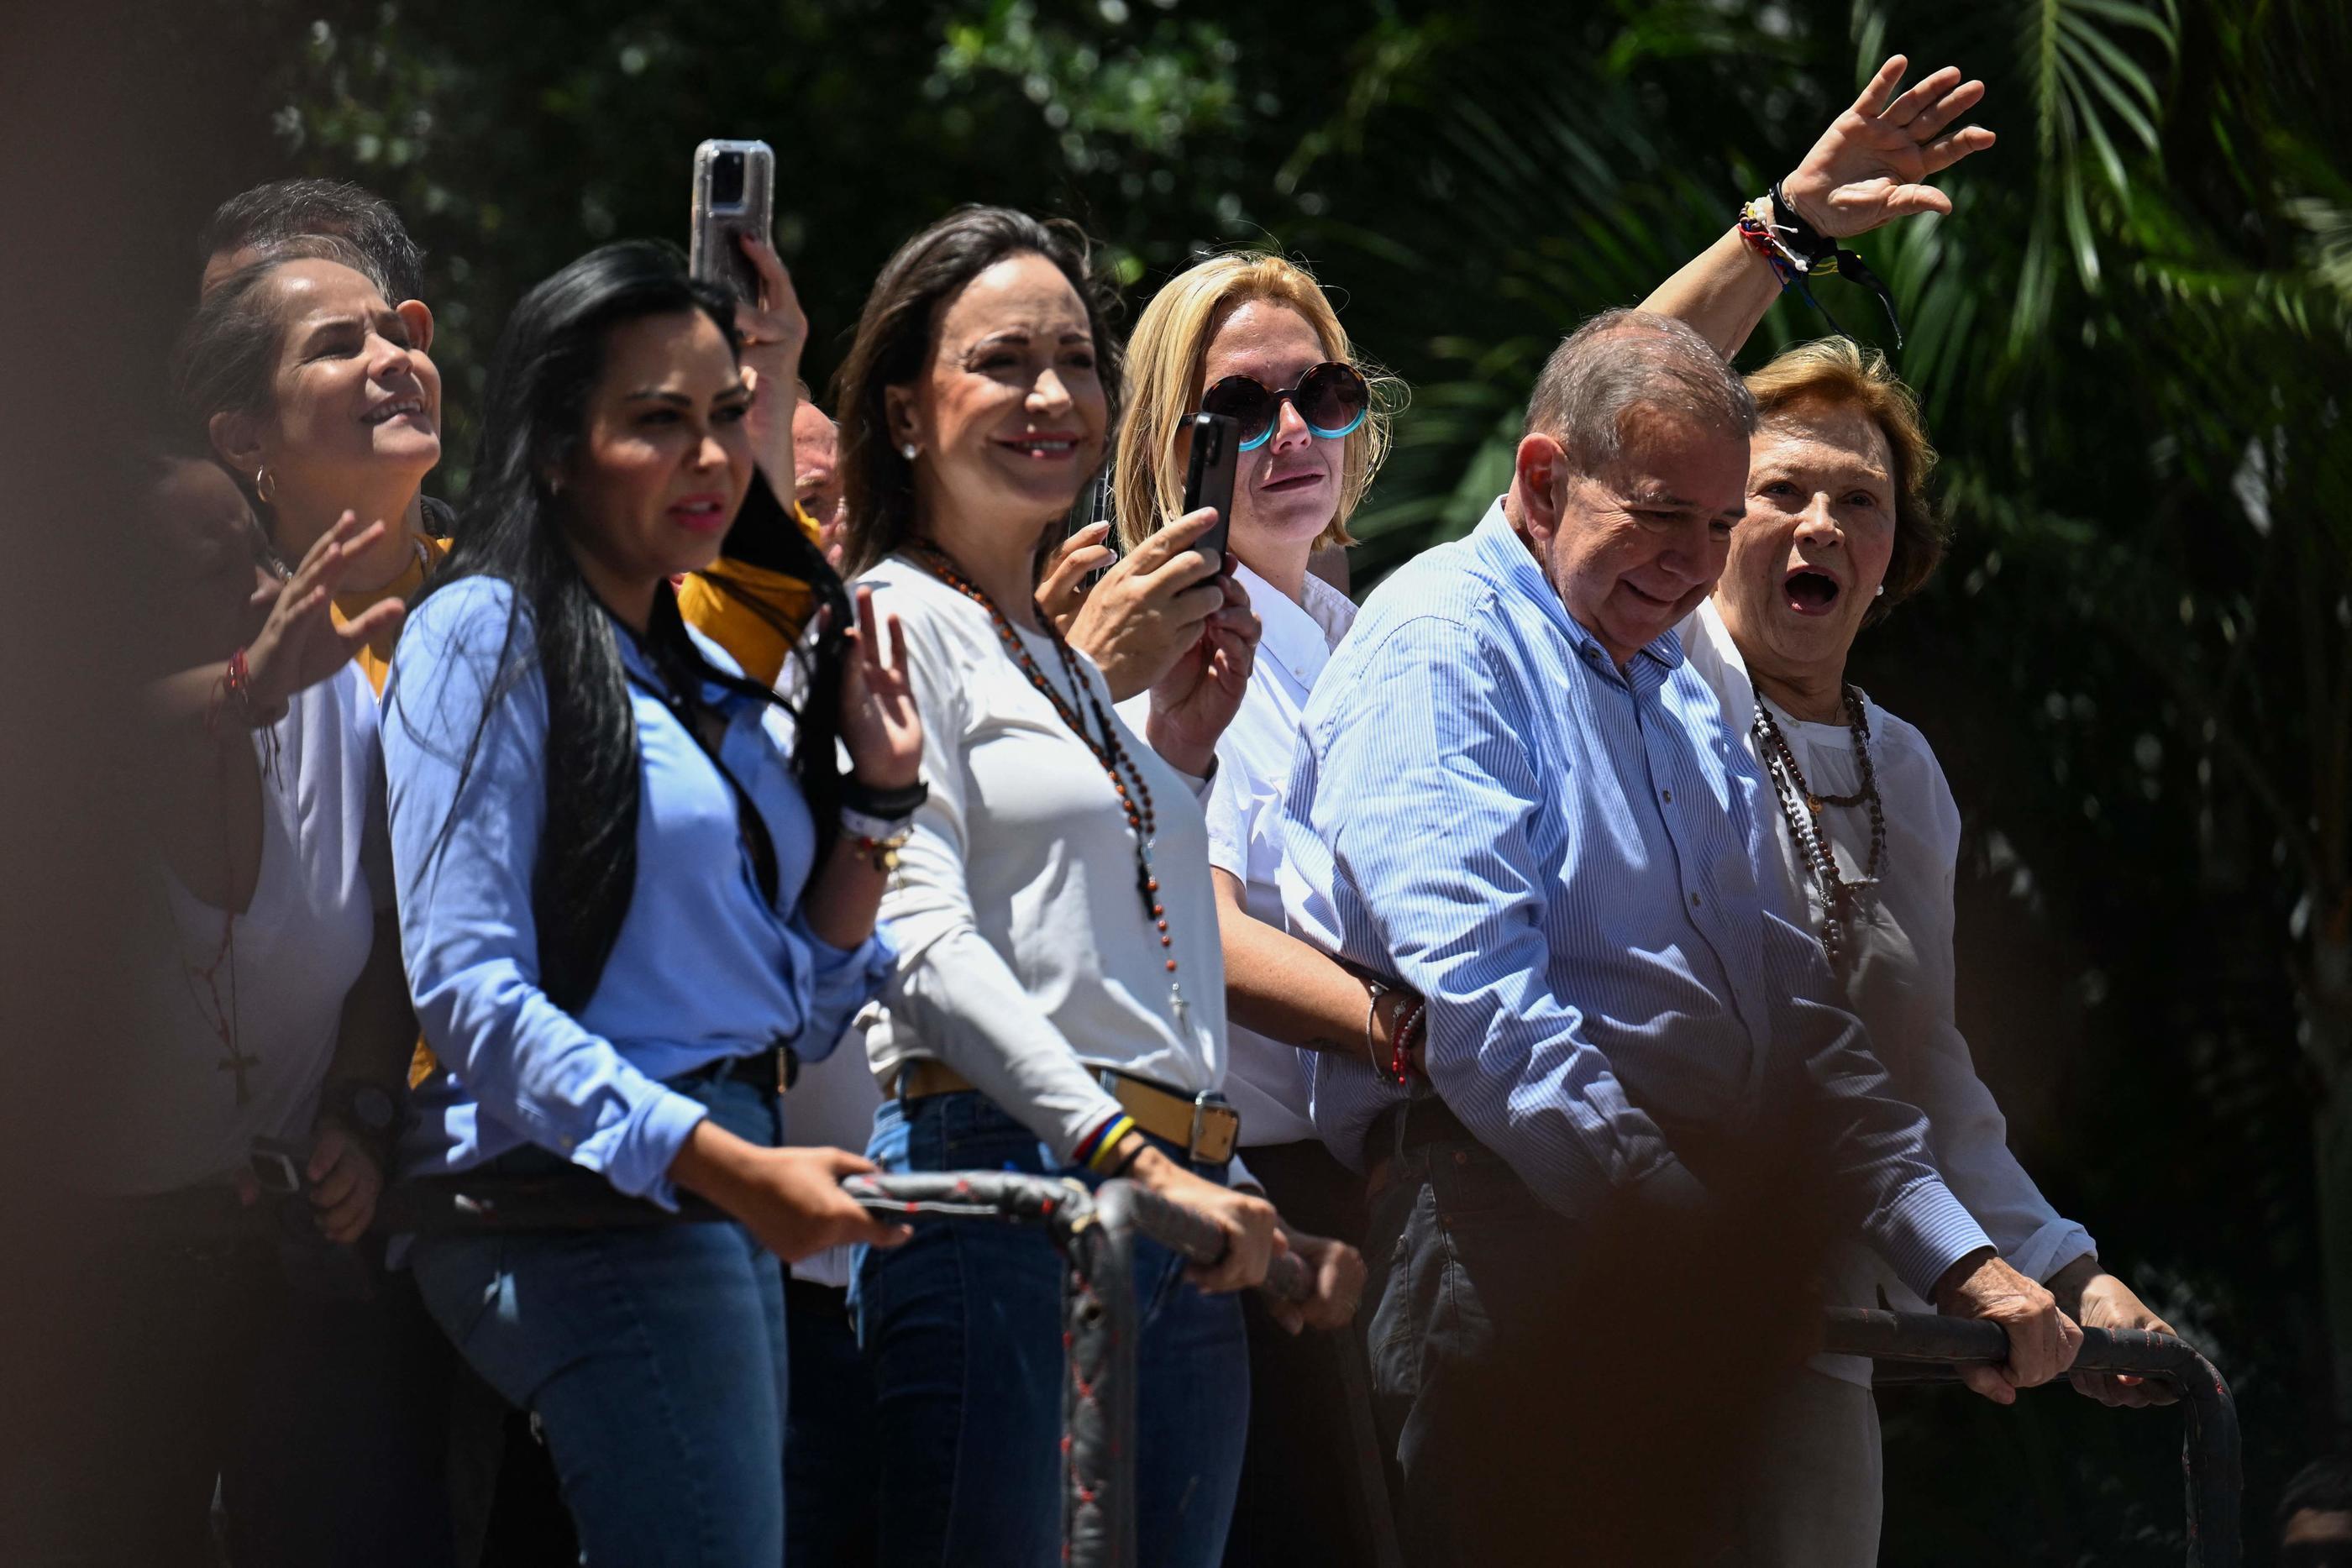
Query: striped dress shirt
x=1565, y=859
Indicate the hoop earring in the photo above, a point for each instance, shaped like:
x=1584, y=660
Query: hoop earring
x=265, y=484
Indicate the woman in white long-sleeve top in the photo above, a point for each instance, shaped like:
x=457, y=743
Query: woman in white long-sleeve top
x=629, y=878
x=1838, y=531
x=1059, y=1002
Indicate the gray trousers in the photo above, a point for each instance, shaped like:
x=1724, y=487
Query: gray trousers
x=1812, y=1497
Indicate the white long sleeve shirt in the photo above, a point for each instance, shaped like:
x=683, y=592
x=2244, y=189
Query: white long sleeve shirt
x=1900, y=973
x=1026, y=956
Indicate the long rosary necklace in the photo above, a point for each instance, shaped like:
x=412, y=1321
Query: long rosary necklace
x=1102, y=739
x=1839, y=896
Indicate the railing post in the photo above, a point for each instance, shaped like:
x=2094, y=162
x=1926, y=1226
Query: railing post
x=1100, y=1318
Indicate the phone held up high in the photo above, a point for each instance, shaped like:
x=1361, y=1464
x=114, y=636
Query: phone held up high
x=734, y=194
x=1209, y=477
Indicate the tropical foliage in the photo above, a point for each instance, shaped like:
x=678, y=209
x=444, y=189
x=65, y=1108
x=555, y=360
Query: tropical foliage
x=2133, y=334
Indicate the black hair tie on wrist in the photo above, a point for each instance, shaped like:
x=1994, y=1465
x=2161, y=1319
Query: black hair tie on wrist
x=888, y=804
x=1821, y=255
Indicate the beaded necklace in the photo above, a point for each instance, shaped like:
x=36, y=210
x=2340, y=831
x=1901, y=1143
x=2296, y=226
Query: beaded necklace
x=1101, y=738
x=1839, y=897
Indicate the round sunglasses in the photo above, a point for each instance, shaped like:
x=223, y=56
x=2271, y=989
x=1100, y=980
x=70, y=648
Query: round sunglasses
x=1331, y=398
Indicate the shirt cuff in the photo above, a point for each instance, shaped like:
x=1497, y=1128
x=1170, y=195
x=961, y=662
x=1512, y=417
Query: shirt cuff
x=1924, y=1232
x=2051, y=1248
x=1201, y=784
x=642, y=1148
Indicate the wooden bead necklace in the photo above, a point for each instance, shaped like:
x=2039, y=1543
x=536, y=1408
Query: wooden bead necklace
x=1101, y=738
x=1839, y=896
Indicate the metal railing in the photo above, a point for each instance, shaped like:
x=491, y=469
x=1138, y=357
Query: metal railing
x=1938, y=1346
x=1095, y=1233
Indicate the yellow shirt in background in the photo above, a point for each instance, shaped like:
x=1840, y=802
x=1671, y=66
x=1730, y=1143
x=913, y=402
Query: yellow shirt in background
x=756, y=614
x=376, y=659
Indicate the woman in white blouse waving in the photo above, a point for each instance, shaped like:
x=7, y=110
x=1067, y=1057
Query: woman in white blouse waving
x=1838, y=531
x=1059, y=1004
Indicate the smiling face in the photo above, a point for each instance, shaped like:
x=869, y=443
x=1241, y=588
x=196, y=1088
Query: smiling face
x=1632, y=550
x=1287, y=491
x=355, y=402
x=1008, y=416
x=663, y=460
x=1814, y=544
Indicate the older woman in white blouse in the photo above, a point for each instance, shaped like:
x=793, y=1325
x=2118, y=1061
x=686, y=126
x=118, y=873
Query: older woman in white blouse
x=1838, y=530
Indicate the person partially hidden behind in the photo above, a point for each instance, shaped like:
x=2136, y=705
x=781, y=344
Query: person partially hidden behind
x=2314, y=1516
x=1514, y=795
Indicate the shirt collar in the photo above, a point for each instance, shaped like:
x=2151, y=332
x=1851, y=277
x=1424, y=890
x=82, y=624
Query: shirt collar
x=1297, y=637
x=1500, y=546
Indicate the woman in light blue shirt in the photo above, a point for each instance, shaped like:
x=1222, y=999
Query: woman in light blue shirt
x=630, y=878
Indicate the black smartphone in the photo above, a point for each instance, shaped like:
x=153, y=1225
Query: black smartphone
x=734, y=194
x=278, y=1165
x=1209, y=476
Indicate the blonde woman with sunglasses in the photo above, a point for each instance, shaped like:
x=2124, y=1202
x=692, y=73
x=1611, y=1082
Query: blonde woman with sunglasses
x=1252, y=337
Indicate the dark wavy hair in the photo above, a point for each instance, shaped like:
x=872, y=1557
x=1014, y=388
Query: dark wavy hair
x=267, y=217
x=895, y=333
x=514, y=528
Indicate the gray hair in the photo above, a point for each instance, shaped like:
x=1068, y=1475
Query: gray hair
x=1623, y=360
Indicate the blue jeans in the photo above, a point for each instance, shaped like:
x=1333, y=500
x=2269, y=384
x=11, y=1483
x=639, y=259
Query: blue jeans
x=654, y=1358
x=962, y=1325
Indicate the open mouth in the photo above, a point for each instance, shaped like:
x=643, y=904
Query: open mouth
x=384, y=412
x=1811, y=592
x=1290, y=482
x=702, y=514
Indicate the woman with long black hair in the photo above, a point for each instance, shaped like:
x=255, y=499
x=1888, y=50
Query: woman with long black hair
x=630, y=878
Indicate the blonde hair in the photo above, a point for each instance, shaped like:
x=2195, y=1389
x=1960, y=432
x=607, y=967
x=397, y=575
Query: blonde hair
x=1166, y=360
x=1838, y=371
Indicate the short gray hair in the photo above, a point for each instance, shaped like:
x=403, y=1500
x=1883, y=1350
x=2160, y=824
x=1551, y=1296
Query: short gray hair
x=1624, y=360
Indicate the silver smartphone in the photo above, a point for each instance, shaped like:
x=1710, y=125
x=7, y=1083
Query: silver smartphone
x=734, y=194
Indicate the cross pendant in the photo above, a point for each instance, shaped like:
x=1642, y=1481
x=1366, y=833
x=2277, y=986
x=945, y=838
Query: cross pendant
x=1181, y=1009
x=238, y=1064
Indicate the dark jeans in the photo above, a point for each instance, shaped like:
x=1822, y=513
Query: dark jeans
x=1469, y=1273
x=319, y=1420
x=1313, y=1487
x=962, y=1325
x=833, y=1450
x=653, y=1356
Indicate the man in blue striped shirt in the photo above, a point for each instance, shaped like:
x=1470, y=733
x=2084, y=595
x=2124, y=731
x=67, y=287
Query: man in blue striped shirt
x=1512, y=794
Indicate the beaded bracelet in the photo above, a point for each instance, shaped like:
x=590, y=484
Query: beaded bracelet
x=1400, y=1050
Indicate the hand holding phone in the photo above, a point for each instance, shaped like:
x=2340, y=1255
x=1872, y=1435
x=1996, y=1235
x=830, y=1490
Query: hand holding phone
x=1209, y=477
x=734, y=194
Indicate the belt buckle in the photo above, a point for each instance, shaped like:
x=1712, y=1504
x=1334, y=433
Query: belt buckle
x=1199, y=1113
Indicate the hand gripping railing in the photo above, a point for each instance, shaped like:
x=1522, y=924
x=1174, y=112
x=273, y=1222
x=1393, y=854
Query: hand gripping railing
x=1094, y=1232
x=2209, y=1447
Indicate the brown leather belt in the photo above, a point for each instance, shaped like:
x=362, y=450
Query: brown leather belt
x=1204, y=1126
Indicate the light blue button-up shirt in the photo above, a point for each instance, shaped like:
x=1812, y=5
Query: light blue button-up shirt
x=1565, y=859
x=704, y=967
